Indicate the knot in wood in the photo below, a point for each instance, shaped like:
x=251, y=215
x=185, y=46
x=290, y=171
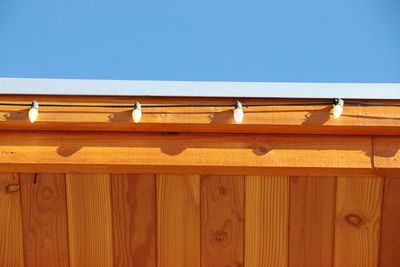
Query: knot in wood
x=354, y=220
x=223, y=190
x=10, y=188
x=220, y=237
x=260, y=150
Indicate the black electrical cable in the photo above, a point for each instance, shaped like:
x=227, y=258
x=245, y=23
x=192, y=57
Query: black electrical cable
x=358, y=103
x=244, y=105
x=348, y=103
x=171, y=105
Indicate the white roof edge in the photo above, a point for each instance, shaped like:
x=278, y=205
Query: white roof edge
x=38, y=86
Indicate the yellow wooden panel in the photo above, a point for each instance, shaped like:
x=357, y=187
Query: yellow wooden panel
x=134, y=219
x=178, y=221
x=312, y=212
x=44, y=214
x=237, y=153
x=89, y=220
x=390, y=234
x=11, y=248
x=222, y=220
x=266, y=227
x=358, y=216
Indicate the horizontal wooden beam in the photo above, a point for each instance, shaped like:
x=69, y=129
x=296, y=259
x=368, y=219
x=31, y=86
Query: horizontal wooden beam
x=291, y=120
x=185, y=153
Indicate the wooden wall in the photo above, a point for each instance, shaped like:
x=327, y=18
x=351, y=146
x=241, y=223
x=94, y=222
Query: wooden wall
x=198, y=220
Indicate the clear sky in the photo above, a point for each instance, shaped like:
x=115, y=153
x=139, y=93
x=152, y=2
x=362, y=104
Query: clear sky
x=216, y=40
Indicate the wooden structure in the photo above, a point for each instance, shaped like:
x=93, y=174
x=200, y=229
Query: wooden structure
x=187, y=187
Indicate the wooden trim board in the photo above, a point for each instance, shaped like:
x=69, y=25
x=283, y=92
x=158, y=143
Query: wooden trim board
x=192, y=153
x=355, y=120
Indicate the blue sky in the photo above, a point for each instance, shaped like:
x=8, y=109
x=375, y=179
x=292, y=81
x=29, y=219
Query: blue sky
x=215, y=40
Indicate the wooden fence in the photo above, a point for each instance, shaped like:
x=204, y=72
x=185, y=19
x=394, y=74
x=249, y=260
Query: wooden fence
x=56, y=219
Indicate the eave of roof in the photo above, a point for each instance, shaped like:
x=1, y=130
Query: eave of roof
x=36, y=86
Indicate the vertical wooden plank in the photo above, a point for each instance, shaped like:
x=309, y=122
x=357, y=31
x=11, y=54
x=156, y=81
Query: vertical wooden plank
x=11, y=248
x=390, y=233
x=358, y=215
x=44, y=219
x=266, y=227
x=134, y=219
x=312, y=214
x=222, y=220
x=89, y=219
x=178, y=220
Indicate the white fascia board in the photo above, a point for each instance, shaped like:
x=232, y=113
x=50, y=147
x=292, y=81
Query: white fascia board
x=37, y=86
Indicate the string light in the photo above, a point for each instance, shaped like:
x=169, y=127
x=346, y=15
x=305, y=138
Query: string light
x=238, y=112
x=34, y=111
x=137, y=112
x=338, y=104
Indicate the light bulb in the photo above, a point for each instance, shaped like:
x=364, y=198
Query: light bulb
x=238, y=112
x=34, y=111
x=137, y=112
x=338, y=108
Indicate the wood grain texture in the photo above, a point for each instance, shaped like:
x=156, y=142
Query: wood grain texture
x=279, y=119
x=11, y=247
x=178, y=221
x=390, y=234
x=89, y=220
x=267, y=221
x=222, y=221
x=312, y=213
x=358, y=217
x=84, y=152
x=134, y=219
x=44, y=220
